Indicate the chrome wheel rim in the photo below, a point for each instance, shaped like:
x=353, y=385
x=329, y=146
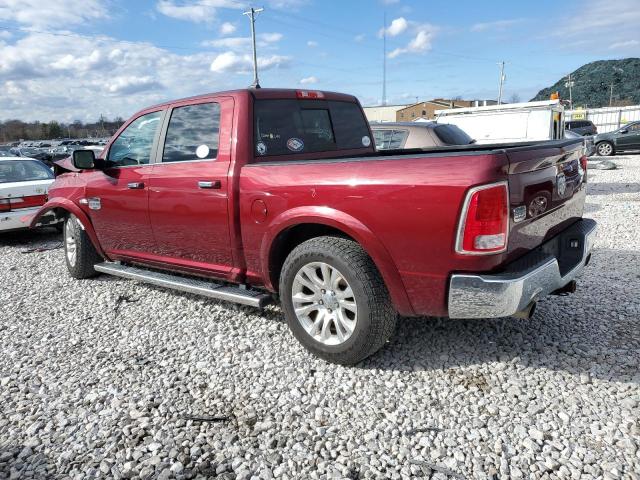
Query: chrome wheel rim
x=604, y=149
x=324, y=303
x=70, y=243
x=537, y=206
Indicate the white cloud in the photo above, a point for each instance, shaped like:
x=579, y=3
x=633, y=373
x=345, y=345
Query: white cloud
x=360, y=38
x=308, y=80
x=597, y=20
x=312, y=44
x=624, y=44
x=389, y=2
x=205, y=11
x=397, y=27
x=232, y=62
x=227, y=28
x=45, y=77
x=242, y=43
x=496, y=25
x=47, y=13
x=202, y=11
x=421, y=43
x=128, y=85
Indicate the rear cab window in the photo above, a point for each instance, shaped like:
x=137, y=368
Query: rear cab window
x=299, y=126
x=23, y=171
x=452, y=135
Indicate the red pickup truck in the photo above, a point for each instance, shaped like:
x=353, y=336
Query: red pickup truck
x=257, y=194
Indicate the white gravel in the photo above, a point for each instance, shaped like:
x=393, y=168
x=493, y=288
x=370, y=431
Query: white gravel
x=101, y=379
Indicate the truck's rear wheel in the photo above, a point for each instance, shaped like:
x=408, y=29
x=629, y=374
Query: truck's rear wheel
x=335, y=301
x=79, y=253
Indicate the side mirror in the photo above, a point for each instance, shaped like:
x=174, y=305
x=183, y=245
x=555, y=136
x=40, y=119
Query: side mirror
x=84, y=159
x=624, y=130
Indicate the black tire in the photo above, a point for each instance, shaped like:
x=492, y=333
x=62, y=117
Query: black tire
x=86, y=256
x=376, y=316
x=607, y=147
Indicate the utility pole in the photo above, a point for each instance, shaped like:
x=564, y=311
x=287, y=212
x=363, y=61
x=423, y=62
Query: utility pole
x=569, y=84
x=252, y=13
x=502, y=78
x=611, y=95
x=384, y=60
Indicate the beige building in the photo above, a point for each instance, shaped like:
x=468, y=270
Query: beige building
x=427, y=109
x=384, y=113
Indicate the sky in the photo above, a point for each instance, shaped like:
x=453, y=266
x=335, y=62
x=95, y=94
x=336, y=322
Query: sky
x=79, y=59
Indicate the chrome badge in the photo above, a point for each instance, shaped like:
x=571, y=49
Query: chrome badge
x=519, y=214
x=561, y=183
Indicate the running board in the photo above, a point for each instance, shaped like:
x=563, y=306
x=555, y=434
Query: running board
x=197, y=286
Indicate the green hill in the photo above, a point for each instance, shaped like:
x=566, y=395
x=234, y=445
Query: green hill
x=592, y=84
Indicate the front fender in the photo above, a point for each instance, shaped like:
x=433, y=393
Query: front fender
x=67, y=205
x=350, y=226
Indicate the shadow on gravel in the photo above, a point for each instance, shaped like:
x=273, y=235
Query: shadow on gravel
x=594, y=331
x=27, y=237
x=607, y=188
x=24, y=462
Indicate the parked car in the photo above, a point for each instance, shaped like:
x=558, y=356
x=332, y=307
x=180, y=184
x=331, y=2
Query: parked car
x=589, y=146
x=403, y=135
x=581, y=127
x=23, y=190
x=301, y=205
x=623, y=139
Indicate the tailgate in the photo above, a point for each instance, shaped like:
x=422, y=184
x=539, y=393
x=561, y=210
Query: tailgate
x=547, y=187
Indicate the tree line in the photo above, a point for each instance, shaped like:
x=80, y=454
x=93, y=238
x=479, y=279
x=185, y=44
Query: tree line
x=16, y=130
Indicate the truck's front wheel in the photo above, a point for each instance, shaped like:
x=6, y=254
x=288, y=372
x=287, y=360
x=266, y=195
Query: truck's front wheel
x=335, y=301
x=79, y=252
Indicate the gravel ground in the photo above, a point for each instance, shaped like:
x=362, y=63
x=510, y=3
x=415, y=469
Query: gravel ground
x=106, y=378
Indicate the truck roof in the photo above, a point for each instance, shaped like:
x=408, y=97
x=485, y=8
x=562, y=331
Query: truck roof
x=260, y=93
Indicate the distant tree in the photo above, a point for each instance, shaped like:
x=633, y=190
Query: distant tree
x=55, y=130
x=515, y=98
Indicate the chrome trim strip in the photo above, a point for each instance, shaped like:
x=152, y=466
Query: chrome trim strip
x=503, y=295
x=190, y=285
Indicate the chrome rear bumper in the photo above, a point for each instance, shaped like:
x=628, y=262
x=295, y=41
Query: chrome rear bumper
x=550, y=267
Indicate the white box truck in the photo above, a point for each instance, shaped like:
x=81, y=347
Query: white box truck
x=508, y=123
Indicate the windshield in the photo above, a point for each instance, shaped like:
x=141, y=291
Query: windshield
x=452, y=135
x=285, y=127
x=6, y=152
x=23, y=171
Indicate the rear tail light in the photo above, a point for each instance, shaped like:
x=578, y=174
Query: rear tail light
x=309, y=94
x=17, y=203
x=484, y=223
x=583, y=162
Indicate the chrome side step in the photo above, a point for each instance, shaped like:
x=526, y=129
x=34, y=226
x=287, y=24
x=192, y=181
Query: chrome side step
x=197, y=286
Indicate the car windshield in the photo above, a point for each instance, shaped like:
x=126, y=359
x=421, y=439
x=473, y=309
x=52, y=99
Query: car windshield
x=23, y=171
x=6, y=152
x=452, y=135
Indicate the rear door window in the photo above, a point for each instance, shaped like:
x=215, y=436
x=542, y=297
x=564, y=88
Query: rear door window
x=193, y=133
x=286, y=127
x=387, y=139
x=452, y=135
x=23, y=171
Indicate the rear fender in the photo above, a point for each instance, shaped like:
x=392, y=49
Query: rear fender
x=353, y=228
x=58, y=203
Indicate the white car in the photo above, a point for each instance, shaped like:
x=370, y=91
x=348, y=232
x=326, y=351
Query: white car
x=24, y=183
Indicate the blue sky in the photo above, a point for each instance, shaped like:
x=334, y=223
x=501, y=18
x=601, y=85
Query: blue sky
x=68, y=59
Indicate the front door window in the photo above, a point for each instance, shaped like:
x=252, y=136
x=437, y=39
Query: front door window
x=135, y=144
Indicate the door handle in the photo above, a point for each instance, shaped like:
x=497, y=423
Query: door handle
x=135, y=185
x=207, y=184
